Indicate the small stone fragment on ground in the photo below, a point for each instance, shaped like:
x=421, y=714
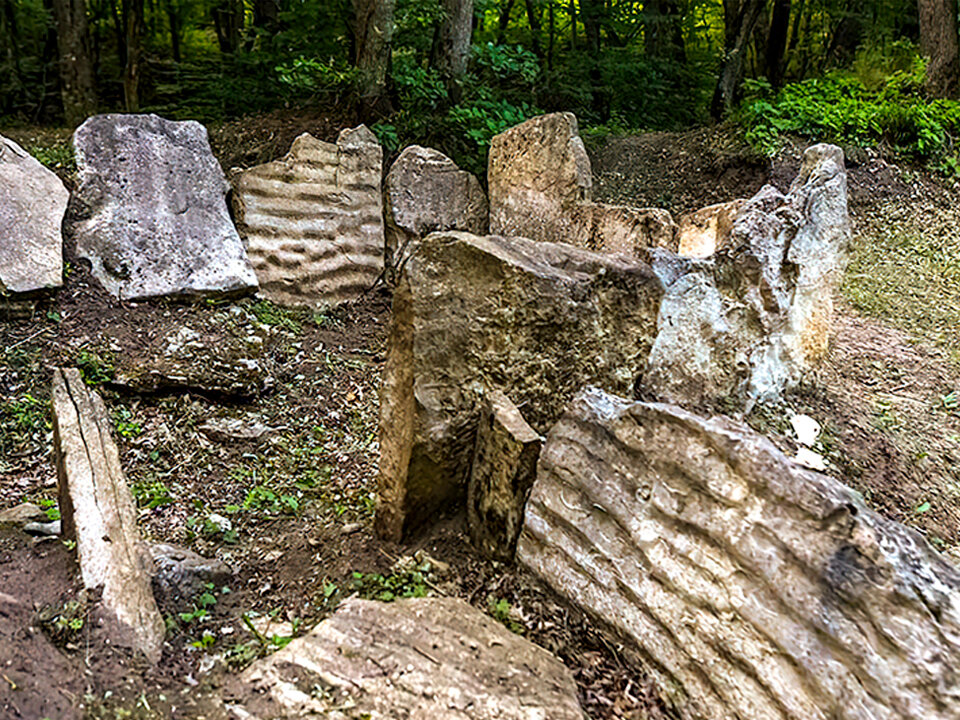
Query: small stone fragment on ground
x=230, y=430
x=22, y=514
x=535, y=319
x=502, y=472
x=32, y=203
x=43, y=529
x=426, y=192
x=313, y=220
x=151, y=211
x=541, y=188
x=99, y=513
x=434, y=658
x=180, y=575
x=755, y=587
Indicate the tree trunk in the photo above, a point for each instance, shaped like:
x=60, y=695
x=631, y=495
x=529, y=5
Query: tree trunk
x=453, y=41
x=533, y=16
x=133, y=13
x=590, y=13
x=938, y=42
x=664, y=30
x=504, y=21
x=736, y=45
x=373, y=30
x=777, y=41
x=228, y=24
x=76, y=70
x=176, y=28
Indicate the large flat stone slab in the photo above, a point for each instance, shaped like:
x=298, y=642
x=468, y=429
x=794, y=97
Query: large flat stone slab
x=434, y=658
x=151, y=208
x=535, y=320
x=98, y=511
x=313, y=220
x=754, y=587
x=32, y=204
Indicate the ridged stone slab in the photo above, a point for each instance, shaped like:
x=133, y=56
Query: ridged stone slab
x=755, y=588
x=313, y=220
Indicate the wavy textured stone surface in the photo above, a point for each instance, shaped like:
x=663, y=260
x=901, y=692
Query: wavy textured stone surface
x=434, y=658
x=150, y=210
x=541, y=188
x=755, y=589
x=32, y=204
x=313, y=220
x=536, y=320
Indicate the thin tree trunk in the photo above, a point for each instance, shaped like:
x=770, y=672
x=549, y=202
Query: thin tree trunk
x=533, y=16
x=173, y=17
x=939, y=43
x=777, y=41
x=77, y=87
x=572, y=11
x=133, y=11
x=453, y=41
x=590, y=13
x=736, y=46
x=664, y=31
x=504, y=21
x=551, y=33
x=373, y=30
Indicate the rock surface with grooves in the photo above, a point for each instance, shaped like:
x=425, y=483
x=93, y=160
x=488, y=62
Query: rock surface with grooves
x=541, y=188
x=313, y=219
x=32, y=204
x=536, y=320
x=150, y=211
x=435, y=658
x=99, y=513
x=753, y=587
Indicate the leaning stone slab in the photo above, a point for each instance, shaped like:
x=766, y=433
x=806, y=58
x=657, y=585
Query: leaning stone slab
x=426, y=192
x=503, y=469
x=152, y=212
x=98, y=511
x=434, y=658
x=313, y=220
x=536, y=320
x=746, y=322
x=32, y=204
x=541, y=188
x=754, y=587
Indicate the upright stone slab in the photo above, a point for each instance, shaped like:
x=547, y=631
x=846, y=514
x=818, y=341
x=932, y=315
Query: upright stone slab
x=536, y=320
x=540, y=188
x=706, y=231
x=749, y=320
x=434, y=658
x=32, y=204
x=151, y=210
x=502, y=472
x=98, y=511
x=313, y=220
x=754, y=587
x=425, y=192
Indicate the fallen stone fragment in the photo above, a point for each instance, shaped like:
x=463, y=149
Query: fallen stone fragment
x=708, y=230
x=502, y=473
x=541, y=188
x=754, y=587
x=151, y=210
x=180, y=575
x=435, y=658
x=22, y=514
x=32, y=204
x=43, y=529
x=98, y=511
x=426, y=192
x=230, y=430
x=313, y=220
x=749, y=321
x=536, y=320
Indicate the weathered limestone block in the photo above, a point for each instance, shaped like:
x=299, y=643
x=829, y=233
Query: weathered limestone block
x=502, y=473
x=705, y=231
x=748, y=321
x=426, y=192
x=754, y=587
x=98, y=510
x=434, y=658
x=179, y=575
x=536, y=320
x=313, y=220
x=32, y=204
x=151, y=210
x=540, y=188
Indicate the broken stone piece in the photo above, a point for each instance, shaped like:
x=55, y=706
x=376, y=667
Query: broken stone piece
x=755, y=587
x=32, y=203
x=313, y=219
x=413, y=658
x=228, y=430
x=151, y=210
x=180, y=574
x=97, y=511
x=22, y=514
x=502, y=473
x=536, y=320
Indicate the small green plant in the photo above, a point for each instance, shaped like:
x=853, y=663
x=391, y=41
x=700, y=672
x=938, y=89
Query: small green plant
x=886, y=418
x=275, y=316
x=502, y=611
x=63, y=623
x=951, y=403
x=58, y=156
x=125, y=424
x=24, y=415
x=50, y=508
x=386, y=588
x=270, y=501
x=201, y=606
x=95, y=367
x=151, y=494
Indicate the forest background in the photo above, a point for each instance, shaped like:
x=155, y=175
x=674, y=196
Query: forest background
x=453, y=73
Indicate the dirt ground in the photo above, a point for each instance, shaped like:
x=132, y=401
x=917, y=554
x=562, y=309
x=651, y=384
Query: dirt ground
x=300, y=499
